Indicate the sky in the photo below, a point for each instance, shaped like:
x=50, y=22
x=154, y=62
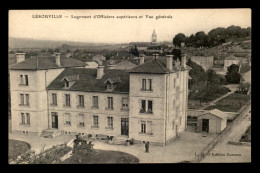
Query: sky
x=22, y=24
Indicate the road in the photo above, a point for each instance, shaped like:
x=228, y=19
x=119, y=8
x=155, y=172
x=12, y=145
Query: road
x=222, y=151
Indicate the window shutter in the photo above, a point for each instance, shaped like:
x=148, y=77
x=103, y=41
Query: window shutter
x=64, y=118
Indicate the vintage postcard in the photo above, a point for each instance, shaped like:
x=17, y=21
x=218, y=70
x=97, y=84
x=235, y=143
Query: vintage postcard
x=129, y=86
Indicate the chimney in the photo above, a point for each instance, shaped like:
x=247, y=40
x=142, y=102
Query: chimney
x=57, y=55
x=100, y=71
x=169, y=62
x=183, y=60
x=141, y=59
x=20, y=57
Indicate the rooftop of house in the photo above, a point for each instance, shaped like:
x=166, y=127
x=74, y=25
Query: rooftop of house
x=157, y=66
x=217, y=113
x=46, y=62
x=87, y=81
x=232, y=57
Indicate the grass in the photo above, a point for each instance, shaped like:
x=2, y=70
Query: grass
x=103, y=157
x=247, y=136
x=231, y=103
x=17, y=148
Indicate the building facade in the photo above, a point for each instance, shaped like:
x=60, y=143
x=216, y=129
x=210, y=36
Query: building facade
x=146, y=103
x=205, y=62
x=231, y=60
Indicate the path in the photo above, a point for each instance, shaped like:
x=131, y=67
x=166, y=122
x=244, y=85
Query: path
x=222, y=147
x=38, y=142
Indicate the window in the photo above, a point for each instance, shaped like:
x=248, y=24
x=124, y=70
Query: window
x=95, y=121
x=24, y=80
x=146, y=127
x=125, y=103
x=109, y=85
x=28, y=118
x=22, y=118
x=143, y=84
x=54, y=99
x=143, y=109
x=110, y=102
x=67, y=100
x=81, y=120
x=180, y=120
x=25, y=118
x=24, y=100
x=81, y=100
x=21, y=79
x=143, y=127
x=67, y=84
x=174, y=83
x=110, y=122
x=150, y=106
x=146, y=106
x=146, y=86
x=67, y=120
x=150, y=84
x=95, y=101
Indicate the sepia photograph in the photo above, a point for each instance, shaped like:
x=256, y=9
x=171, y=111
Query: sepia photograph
x=129, y=86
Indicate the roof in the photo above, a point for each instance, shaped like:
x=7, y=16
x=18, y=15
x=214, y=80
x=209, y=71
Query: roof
x=217, y=113
x=71, y=78
x=87, y=81
x=46, y=62
x=98, y=56
x=157, y=66
x=231, y=57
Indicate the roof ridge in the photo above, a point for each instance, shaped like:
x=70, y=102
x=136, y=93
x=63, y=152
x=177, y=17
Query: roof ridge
x=164, y=68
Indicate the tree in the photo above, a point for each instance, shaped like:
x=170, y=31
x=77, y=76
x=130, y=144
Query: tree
x=232, y=75
x=176, y=54
x=200, y=38
x=178, y=39
x=134, y=51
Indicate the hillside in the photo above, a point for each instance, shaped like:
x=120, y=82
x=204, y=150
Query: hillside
x=15, y=43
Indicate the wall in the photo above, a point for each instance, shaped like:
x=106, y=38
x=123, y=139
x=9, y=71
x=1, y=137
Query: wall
x=37, y=98
x=215, y=123
x=117, y=113
x=159, y=107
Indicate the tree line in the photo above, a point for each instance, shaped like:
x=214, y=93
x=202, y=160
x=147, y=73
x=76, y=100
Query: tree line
x=214, y=37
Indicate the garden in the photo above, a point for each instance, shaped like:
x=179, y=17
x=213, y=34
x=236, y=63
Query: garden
x=16, y=148
x=231, y=103
x=84, y=153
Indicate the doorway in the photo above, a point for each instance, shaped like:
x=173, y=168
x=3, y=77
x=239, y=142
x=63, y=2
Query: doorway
x=124, y=126
x=205, y=125
x=54, y=118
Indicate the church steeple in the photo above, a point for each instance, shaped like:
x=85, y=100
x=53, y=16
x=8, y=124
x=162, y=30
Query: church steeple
x=154, y=37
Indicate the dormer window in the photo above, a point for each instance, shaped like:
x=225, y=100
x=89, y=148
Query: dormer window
x=67, y=84
x=111, y=83
x=68, y=81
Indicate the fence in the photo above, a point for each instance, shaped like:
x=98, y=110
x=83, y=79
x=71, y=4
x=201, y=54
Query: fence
x=213, y=143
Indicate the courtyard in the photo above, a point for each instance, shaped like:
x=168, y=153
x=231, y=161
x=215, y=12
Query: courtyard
x=179, y=150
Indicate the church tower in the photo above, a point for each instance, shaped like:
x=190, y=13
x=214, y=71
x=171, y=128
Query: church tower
x=154, y=37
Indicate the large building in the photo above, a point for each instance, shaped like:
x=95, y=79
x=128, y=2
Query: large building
x=146, y=103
